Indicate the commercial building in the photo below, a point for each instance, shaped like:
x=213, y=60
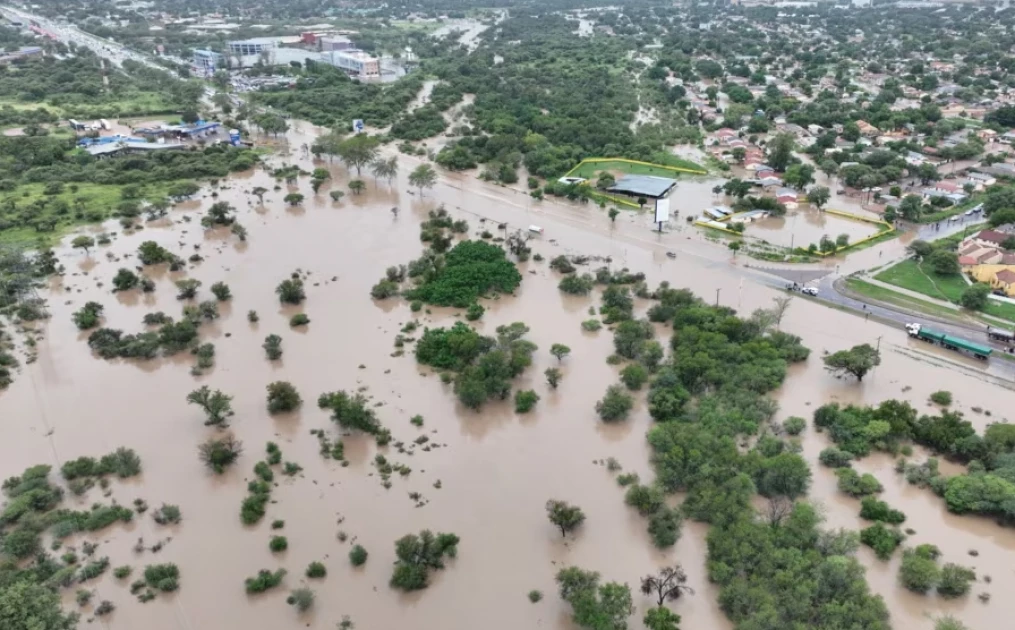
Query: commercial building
x=254, y=46
x=207, y=61
x=356, y=62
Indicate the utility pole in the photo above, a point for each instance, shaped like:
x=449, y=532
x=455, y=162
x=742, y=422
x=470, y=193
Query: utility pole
x=717, y=296
x=879, y=344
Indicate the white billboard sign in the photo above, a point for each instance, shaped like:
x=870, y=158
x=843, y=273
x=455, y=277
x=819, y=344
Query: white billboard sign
x=662, y=210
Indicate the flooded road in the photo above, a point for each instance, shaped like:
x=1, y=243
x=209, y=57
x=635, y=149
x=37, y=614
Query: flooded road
x=496, y=469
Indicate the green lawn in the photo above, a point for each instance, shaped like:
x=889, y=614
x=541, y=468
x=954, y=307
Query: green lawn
x=888, y=296
x=589, y=170
x=98, y=203
x=918, y=277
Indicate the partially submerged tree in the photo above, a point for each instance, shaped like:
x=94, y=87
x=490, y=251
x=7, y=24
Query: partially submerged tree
x=290, y=291
x=595, y=606
x=670, y=584
x=423, y=177
x=418, y=555
x=564, y=515
x=283, y=397
x=219, y=454
x=857, y=361
x=216, y=405
x=83, y=242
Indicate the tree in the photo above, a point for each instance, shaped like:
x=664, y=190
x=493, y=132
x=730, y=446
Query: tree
x=259, y=192
x=780, y=151
x=927, y=173
x=829, y=168
x=786, y=474
x=944, y=262
x=290, y=291
x=661, y=618
x=565, y=516
x=799, y=176
x=293, y=199
x=560, y=351
x=386, y=169
x=911, y=207
x=615, y=405
x=283, y=397
x=336, y=195
x=670, y=584
x=734, y=246
x=216, y=405
x=779, y=307
x=27, y=605
x=358, y=151
x=613, y=213
x=739, y=154
x=819, y=196
x=595, y=606
x=736, y=187
x=856, y=361
x=220, y=213
x=418, y=555
x=356, y=186
x=218, y=454
x=422, y=177
x=553, y=376
x=919, y=571
x=83, y=242
x=955, y=580
x=975, y=296
x=271, y=123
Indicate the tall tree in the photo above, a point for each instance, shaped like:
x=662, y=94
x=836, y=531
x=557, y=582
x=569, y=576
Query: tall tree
x=358, y=151
x=423, y=176
x=819, y=196
x=386, y=169
x=780, y=151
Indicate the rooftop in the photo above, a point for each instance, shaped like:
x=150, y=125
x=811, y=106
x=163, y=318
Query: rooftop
x=643, y=186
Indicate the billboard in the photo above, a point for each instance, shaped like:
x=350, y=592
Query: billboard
x=662, y=210
x=357, y=125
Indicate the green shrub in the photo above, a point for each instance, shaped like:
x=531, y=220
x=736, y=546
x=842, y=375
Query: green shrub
x=163, y=577
x=525, y=400
x=264, y=580
x=634, y=376
x=278, y=543
x=474, y=312
x=882, y=540
x=316, y=570
x=646, y=499
x=358, y=555
x=302, y=599
x=299, y=319
x=535, y=596
x=591, y=325
x=875, y=510
x=942, y=398
x=835, y=458
x=283, y=397
x=167, y=514
x=794, y=425
x=615, y=405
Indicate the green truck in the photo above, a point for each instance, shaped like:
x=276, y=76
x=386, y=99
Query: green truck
x=977, y=350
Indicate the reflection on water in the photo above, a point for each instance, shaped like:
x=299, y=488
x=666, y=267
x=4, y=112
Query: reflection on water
x=496, y=469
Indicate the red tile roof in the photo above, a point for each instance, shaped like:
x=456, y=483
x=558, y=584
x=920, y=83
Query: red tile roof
x=1006, y=276
x=992, y=236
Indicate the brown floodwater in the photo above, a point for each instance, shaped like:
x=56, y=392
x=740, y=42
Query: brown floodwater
x=496, y=469
x=804, y=225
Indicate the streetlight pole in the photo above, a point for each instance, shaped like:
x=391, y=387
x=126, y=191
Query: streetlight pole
x=717, y=296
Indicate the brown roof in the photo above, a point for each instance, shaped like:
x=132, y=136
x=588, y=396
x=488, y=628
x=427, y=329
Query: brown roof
x=965, y=261
x=1006, y=276
x=986, y=255
x=992, y=236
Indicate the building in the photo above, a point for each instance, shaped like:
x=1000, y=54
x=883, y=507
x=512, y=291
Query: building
x=207, y=61
x=23, y=53
x=356, y=62
x=252, y=47
x=336, y=42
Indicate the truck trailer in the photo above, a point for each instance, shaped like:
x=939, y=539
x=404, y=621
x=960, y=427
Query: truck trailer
x=929, y=335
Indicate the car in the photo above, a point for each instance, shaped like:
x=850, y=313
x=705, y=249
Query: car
x=812, y=291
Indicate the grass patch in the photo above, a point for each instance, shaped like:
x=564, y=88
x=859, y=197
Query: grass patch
x=588, y=170
x=917, y=277
x=97, y=203
x=940, y=215
x=888, y=296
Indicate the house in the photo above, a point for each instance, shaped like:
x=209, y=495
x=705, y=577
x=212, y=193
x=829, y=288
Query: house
x=867, y=130
x=981, y=179
x=786, y=195
x=815, y=130
x=987, y=135
x=1000, y=277
x=989, y=238
x=946, y=186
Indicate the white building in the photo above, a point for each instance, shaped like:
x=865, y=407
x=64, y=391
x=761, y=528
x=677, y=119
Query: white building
x=355, y=62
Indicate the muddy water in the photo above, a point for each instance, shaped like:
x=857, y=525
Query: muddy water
x=496, y=470
x=804, y=225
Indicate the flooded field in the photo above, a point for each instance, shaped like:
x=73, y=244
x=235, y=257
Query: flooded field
x=496, y=469
x=804, y=225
